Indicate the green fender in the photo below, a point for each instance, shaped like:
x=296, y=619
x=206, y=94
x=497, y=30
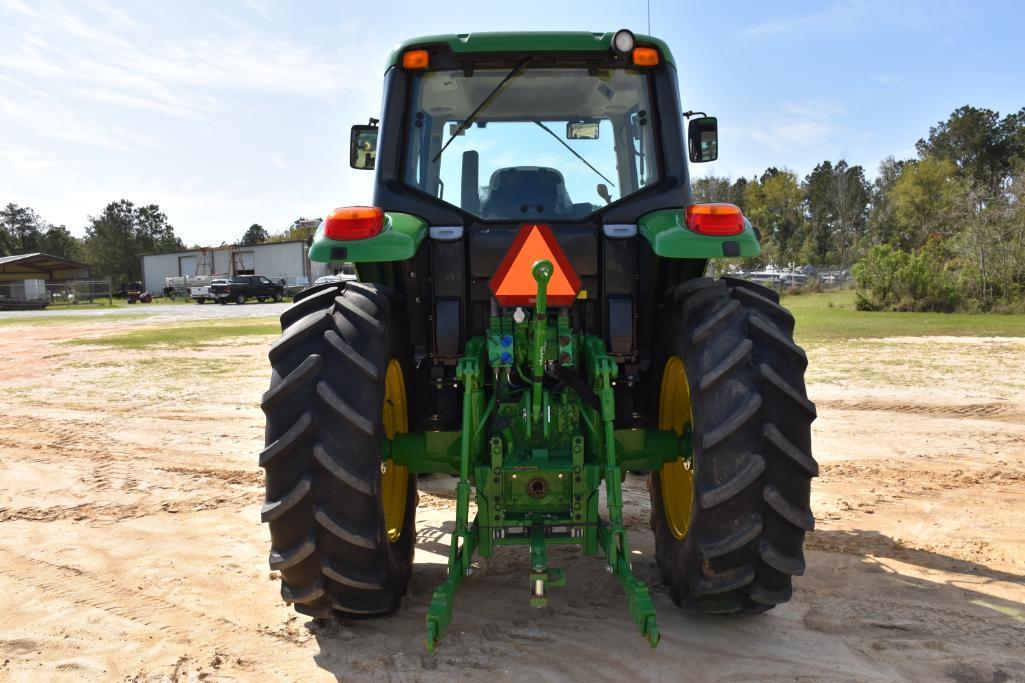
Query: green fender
x=397, y=241
x=670, y=237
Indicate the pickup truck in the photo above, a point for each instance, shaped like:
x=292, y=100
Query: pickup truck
x=201, y=292
x=243, y=287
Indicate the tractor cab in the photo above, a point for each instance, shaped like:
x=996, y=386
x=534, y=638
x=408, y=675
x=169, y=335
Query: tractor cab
x=483, y=134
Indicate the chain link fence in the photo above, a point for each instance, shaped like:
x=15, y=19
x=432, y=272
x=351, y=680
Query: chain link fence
x=40, y=294
x=808, y=278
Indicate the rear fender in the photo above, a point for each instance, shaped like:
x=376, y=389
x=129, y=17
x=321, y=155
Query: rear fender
x=670, y=237
x=397, y=241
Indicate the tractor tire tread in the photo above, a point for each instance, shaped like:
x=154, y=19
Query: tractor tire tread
x=343, y=474
x=283, y=559
x=292, y=382
x=708, y=327
x=744, y=534
x=340, y=409
x=304, y=330
x=322, y=458
x=747, y=474
x=751, y=432
x=733, y=422
x=349, y=578
x=287, y=441
x=768, y=330
x=780, y=561
x=308, y=301
x=769, y=597
x=356, y=537
x=275, y=509
x=800, y=458
x=736, y=357
x=790, y=391
x=351, y=355
x=302, y=594
x=800, y=517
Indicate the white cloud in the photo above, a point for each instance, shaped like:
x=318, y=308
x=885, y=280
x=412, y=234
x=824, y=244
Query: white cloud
x=27, y=160
x=846, y=16
x=103, y=54
x=796, y=126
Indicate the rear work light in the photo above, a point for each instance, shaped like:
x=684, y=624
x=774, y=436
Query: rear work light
x=353, y=223
x=416, y=59
x=623, y=41
x=645, y=56
x=715, y=219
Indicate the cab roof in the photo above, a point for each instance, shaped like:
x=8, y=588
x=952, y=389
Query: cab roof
x=527, y=41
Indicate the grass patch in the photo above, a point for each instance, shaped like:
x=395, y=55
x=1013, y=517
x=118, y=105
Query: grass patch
x=182, y=336
x=68, y=319
x=831, y=316
x=176, y=367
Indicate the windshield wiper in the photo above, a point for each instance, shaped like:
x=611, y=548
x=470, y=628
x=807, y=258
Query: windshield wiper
x=492, y=96
x=574, y=153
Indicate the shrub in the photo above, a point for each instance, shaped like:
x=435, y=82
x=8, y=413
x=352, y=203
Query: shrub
x=923, y=280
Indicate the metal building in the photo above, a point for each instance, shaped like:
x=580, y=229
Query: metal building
x=274, y=260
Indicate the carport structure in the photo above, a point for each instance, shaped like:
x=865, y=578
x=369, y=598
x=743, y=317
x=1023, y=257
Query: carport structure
x=38, y=280
x=41, y=266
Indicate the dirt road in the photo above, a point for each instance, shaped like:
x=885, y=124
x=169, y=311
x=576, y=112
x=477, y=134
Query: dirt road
x=131, y=548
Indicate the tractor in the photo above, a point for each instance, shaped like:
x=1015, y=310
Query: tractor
x=533, y=318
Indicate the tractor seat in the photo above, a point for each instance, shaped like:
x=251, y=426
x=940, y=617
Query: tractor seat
x=521, y=191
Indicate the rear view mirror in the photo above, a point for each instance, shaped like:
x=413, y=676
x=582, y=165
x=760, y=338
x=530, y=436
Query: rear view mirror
x=703, y=139
x=363, y=147
x=582, y=130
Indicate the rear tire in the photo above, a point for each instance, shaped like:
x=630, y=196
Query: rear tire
x=240, y=299
x=752, y=466
x=325, y=502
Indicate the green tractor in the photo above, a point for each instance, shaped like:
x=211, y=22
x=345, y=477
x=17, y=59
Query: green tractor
x=532, y=317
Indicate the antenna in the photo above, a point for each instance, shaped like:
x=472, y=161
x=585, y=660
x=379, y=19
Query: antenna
x=649, y=17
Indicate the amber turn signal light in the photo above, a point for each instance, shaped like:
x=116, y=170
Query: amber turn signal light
x=353, y=223
x=715, y=219
x=416, y=59
x=645, y=56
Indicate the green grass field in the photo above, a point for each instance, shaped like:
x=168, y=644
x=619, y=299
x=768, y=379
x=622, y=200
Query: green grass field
x=831, y=316
x=191, y=335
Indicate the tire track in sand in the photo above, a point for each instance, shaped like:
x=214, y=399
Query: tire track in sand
x=59, y=581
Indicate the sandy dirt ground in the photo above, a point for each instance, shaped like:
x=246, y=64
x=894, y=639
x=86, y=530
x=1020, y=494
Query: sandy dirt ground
x=131, y=548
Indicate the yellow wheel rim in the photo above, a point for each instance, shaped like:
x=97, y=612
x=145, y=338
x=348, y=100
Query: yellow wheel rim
x=675, y=479
x=394, y=478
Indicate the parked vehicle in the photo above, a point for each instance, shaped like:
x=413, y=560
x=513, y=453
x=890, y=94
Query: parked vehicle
x=201, y=293
x=243, y=287
x=340, y=277
x=136, y=293
x=294, y=284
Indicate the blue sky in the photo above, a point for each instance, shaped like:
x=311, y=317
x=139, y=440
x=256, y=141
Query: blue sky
x=232, y=112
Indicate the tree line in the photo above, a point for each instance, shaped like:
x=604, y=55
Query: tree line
x=942, y=231
x=115, y=239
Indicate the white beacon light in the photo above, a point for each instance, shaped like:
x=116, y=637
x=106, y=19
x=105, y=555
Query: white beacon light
x=623, y=41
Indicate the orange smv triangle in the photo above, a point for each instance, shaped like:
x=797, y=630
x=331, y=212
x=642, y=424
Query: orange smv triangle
x=513, y=283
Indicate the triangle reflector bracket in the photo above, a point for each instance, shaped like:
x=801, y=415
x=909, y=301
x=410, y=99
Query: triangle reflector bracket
x=513, y=283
